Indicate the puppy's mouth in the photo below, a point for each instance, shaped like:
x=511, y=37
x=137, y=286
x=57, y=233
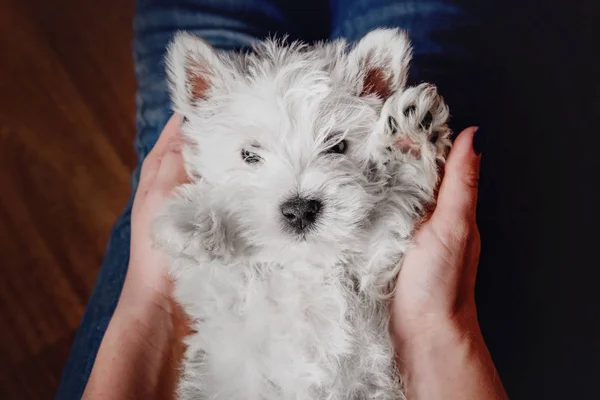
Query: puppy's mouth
x=300, y=235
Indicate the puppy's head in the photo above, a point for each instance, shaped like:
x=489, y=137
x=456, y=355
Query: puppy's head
x=283, y=135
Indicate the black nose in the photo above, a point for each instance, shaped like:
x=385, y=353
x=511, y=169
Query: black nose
x=300, y=213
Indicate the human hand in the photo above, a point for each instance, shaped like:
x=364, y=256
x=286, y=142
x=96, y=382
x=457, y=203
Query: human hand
x=440, y=348
x=141, y=350
x=161, y=172
x=437, y=281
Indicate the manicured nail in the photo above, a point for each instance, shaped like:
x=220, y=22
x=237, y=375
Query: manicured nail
x=478, y=142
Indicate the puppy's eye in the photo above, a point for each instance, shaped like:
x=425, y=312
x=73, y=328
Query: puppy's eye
x=249, y=157
x=338, y=148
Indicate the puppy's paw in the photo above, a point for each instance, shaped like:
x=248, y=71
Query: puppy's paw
x=413, y=124
x=212, y=235
x=189, y=229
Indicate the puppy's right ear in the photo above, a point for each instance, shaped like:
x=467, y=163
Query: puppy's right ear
x=379, y=62
x=194, y=70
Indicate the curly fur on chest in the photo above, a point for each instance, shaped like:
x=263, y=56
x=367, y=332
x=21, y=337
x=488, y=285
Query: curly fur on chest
x=272, y=331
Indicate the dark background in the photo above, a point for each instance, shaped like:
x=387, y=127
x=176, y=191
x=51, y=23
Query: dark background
x=538, y=293
x=66, y=127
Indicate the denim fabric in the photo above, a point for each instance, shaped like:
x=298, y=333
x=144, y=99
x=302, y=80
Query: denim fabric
x=444, y=40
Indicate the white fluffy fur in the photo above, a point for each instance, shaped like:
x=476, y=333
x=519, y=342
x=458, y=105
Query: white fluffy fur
x=280, y=315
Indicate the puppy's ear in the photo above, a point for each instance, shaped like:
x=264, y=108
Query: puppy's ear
x=194, y=70
x=379, y=62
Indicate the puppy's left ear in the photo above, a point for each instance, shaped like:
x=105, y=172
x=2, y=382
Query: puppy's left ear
x=379, y=62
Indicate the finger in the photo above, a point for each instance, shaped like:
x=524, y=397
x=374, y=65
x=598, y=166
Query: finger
x=457, y=198
x=171, y=172
x=151, y=193
x=153, y=159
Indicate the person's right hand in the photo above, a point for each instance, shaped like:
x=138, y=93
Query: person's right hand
x=142, y=348
x=437, y=279
x=441, y=351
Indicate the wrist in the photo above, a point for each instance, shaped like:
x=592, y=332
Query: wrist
x=427, y=362
x=449, y=360
x=424, y=335
x=136, y=358
x=147, y=309
x=143, y=342
x=146, y=291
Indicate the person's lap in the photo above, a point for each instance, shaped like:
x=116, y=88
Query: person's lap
x=438, y=29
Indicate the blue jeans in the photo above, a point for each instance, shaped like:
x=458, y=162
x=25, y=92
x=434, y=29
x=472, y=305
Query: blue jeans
x=443, y=34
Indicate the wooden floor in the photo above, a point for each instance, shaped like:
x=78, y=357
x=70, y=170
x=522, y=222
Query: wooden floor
x=66, y=128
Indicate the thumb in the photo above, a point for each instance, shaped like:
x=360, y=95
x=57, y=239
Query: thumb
x=457, y=198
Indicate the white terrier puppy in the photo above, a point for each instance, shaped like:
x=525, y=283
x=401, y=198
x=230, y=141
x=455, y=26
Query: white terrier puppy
x=310, y=168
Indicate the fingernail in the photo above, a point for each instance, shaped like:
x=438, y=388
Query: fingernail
x=478, y=142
